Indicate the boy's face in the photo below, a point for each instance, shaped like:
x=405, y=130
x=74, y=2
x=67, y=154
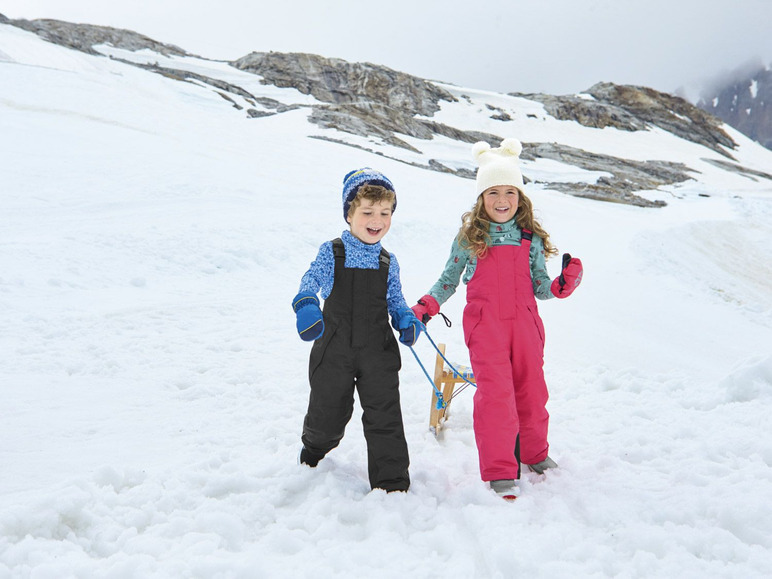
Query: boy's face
x=371, y=221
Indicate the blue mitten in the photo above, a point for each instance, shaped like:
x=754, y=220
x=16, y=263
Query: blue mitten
x=310, y=322
x=408, y=326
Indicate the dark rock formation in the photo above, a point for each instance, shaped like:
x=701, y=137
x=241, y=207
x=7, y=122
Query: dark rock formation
x=626, y=176
x=84, y=37
x=336, y=81
x=178, y=74
x=362, y=99
x=744, y=101
x=634, y=108
x=739, y=169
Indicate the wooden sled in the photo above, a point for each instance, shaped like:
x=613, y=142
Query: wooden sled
x=445, y=380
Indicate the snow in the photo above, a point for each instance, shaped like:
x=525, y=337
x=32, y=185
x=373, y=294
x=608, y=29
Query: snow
x=154, y=386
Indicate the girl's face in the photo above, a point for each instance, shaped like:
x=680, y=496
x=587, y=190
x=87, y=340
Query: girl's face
x=500, y=202
x=371, y=221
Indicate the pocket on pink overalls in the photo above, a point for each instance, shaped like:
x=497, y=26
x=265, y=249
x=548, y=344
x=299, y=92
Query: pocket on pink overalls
x=471, y=319
x=538, y=323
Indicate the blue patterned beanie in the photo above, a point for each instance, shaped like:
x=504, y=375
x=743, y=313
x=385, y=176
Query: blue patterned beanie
x=355, y=179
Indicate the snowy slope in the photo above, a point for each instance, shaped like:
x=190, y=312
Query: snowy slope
x=154, y=386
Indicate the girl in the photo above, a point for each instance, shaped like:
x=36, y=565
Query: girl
x=501, y=251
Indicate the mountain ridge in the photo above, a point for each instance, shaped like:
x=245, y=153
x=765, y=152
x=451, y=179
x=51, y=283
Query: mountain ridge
x=395, y=114
x=744, y=102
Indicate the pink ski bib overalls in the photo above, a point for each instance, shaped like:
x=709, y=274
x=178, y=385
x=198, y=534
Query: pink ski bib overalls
x=505, y=337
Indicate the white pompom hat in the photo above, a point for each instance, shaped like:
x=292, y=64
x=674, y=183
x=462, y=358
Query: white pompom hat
x=499, y=166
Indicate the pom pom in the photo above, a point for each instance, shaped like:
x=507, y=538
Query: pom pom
x=512, y=146
x=479, y=148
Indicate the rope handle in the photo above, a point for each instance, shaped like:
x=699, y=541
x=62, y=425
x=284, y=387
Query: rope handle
x=441, y=403
x=457, y=372
x=440, y=398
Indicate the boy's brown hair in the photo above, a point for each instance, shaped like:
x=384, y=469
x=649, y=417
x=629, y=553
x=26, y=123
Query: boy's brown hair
x=374, y=193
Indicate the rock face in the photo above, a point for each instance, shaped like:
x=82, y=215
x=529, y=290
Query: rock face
x=745, y=103
x=84, y=36
x=363, y=99
x=626, y=176
x=634, y=108
x=336, y=81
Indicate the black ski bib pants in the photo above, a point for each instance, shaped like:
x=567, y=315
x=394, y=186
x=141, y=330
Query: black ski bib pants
x=358, y=350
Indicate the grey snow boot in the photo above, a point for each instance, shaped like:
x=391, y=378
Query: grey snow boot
x=506, y=488
x=540, y=467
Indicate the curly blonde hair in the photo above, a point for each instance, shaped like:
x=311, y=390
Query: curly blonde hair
x=473, y=234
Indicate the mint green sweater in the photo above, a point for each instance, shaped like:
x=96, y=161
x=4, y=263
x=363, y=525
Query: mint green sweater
x=463, y=259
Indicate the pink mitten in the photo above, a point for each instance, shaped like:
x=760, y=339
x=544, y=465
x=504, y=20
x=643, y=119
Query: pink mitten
x=569, y=279
x=426, y=307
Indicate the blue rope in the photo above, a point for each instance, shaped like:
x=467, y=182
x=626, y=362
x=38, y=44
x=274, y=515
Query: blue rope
x=456, y=372
x=440, y=399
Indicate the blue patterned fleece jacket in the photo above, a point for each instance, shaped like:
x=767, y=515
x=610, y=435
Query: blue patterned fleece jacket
x=321, y=275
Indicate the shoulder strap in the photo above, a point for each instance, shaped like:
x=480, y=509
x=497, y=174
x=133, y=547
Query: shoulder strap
x=385, y=258
x=338, y=249
x=527, y=234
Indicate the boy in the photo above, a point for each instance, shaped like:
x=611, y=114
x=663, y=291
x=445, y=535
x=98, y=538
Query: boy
x=353, y=344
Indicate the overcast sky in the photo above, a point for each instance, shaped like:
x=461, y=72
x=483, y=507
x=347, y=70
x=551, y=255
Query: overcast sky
x=551, y=46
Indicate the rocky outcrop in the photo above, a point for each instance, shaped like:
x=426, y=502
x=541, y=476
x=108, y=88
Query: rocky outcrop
x=338, y=82
x=744, y=101
x=590, y=113
x=635, y=108
x=739, y=169
x=84, y=37
x=178, y=74
x=626, y=178
x=358, y=98
x=373, y=119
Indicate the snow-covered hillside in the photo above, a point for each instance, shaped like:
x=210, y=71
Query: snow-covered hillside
x=153, y=384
